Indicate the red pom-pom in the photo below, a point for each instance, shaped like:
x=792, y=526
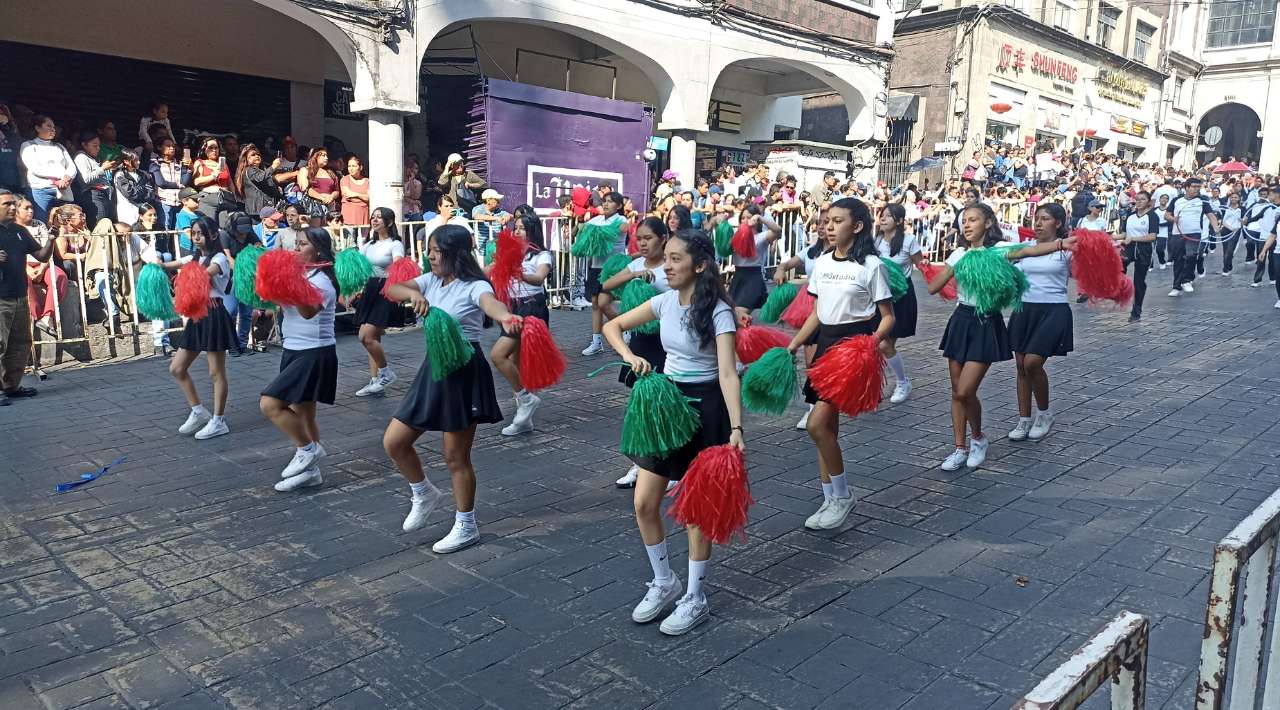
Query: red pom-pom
x=191, y=291
x=714, y=495
x=541, y=362
x=801, y=306
x=282, y=279
x=753, y=340
x=744, y=241
x=508, y=264
x=401, y=269
x=1098, y=270
x=633, y=247
x=1026, y=234
x=930, y=271
x=850, y=375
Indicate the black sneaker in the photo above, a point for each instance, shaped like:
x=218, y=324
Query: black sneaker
x=1134, y=317
x=4, y=400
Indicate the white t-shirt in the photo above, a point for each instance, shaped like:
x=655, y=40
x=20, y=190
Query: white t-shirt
x=1190, y=214
x=809, y=261
x=460, y=299
x=847, y=291
x=301, y=333
x=910, y=247
x=952, y=260
x=1263, y=216
x=1097, y=225
x=287, y=238
x=659, y=280
x=218, y=285
x=619, y=246
x=381, y=252
x=529, y=267
x=1047, y=276
x=1141, y=225
x=687, y=360
x=762, y=247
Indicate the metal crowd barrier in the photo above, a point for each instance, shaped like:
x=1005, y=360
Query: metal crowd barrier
x=1117, y=653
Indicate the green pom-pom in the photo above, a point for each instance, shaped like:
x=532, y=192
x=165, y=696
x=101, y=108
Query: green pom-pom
x=596, y=240
x=612, y=267
x=770, y=382
x=353, y=271
x=245, y=273
x=990, y=281
x=636, y=292
x=154, y=298
x=898, y=283
x=447, y=350
x=724, y=240
x=779, y=298
x=490, y=251
x=659, y=418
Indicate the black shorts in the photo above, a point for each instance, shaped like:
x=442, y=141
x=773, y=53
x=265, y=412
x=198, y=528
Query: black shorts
x=593, y=282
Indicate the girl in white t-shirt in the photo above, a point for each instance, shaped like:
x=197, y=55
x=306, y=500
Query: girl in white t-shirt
x=458, y=402
x=852, y=296
x=904, y=250
x=808, y=258
x=697, y=328
x=528, y=298
x=374, y=311
x=308, y=365
x=747, y=287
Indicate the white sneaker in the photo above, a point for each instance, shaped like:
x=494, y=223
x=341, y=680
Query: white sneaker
x=977, y=452
x=522, y=422
x=1255, y=284
x=307, y=479
x=462, y=535
x=1226, y=273
x=901, y=392
x=1164, y=266
x=690, y=612
x=656, y=599
x=422, y=507
x=1272, y=282
x=579, y=303
x=1175, y=293
x=215, y=427
x=626, y=337
x=1041, y=427
x=672, y=484
x=374, y=388
x=955, y=460
x=1277, y=305
x=814, y=522
x=195, y=422
x=628, y=479
x=804, y=421
x=837, y=512
x=595, y=348
x=1019, y=432
x=302, y=460
x=1188, y=288
x=320, y=453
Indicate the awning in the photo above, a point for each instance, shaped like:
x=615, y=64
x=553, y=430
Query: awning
x=904, y=107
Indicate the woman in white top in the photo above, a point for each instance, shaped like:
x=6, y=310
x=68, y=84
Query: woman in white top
x=852, y=296
x=213, y=335
x=308, y=365
x=602, y=308
x=528, y=298
x=822, y=241
x=696, y=324
x=1231, y=223
x=49, y=167
x=973, y=341
x=458, y=402
x=375, y=312
x=1140, y=230
x=1094, y=220
x=893, y=243
x=747, y=288
x=651, y=238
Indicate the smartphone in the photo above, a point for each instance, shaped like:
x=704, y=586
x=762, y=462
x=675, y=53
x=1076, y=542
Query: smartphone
x=186, y=154
x=279, y=154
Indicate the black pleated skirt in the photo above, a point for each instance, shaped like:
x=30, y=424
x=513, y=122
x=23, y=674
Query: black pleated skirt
x=529, y=306
x=1043, y=329
x=905, y=313
x=747, y=288
x=715, y=430
x=463, y=398
x=309, y=375
x=829, y=335
x=649, y=347
x=215, y=333
x=975, y=337
x=372, y=308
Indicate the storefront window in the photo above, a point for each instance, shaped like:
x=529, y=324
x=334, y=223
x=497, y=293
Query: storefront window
x=1048, y=142
x=1002, y=132
x=1128, y=152
x=1238, y=22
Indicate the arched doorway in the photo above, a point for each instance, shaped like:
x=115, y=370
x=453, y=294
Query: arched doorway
x=1230, y=130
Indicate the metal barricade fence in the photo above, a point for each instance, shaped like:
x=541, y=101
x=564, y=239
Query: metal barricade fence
x=1117, y=653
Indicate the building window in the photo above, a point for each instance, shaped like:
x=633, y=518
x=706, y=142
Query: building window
x=1064, y=15
x=1142, y=41
x=1178, y=86
x=1237, y=22
x=725, y=116
x=1108, y=18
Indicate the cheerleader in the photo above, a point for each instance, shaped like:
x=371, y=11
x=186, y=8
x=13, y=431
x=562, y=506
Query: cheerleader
x=852, y=296
x=1141, y=229
x=651, y=238
x=747, y=288
x=455, y=404
x=903, y=249
x=972, y=340
x=808, y=258
x=374, y=311
x=528, y=298
x=601, y=307
x=308, y=365
x=213, y=335
x=696, y=325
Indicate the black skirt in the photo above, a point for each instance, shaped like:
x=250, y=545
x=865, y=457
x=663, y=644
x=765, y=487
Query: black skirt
x=372, y=308
x=714, y=430
x=215, y=333
x=905, y=313
x=1043, y=329
x=529, y=306
x=748, y=289
x=593, y=282
x=829, y=335
x=309, y=375
x=974, y=337
x=463, y=398
x=649, y=347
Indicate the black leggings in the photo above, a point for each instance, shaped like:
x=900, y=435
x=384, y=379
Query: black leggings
x=1140, y=256
x=1161, y=244
x=1268, y=265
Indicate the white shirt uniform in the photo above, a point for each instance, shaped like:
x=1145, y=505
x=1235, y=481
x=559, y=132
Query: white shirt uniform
x=910, y=247
x=218, y=285
x=687, y=360
x=381, y=252
x=1047, y=276
x=1190, y=214
x=529, y=267
x=1141, y=225
x=1096, y=225
x=847, y=291
x=619, y=246
x=1260, y=219
x=659, y=279
x=762, y=247
x=301, y=333
x=460, y=299
x=952, y=260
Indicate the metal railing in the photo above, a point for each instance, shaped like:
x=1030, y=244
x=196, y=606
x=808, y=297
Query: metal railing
x=1117, y=653
x=1250, y=549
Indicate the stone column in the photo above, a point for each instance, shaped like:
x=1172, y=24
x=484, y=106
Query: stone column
x=386, y=160
x=684, y=148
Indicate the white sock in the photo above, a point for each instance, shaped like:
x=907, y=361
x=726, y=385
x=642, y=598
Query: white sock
x=522, y=393
x=659, y=562
x=384, y=371
x=421, y=490
x=1042, y=412
x=899, y=370
x=199, y=409
x=595, y=338
x=839, y=486
x=697, y=574
x=826, y=490
x=1024, y=420
x=217, y=419
x=309, y=448
x=468, y=518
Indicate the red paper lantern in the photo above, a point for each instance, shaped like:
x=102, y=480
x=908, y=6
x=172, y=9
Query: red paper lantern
x=1001, y=107
x=1090, y=132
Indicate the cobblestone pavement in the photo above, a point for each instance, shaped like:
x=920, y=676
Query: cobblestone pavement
x=182, y=580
